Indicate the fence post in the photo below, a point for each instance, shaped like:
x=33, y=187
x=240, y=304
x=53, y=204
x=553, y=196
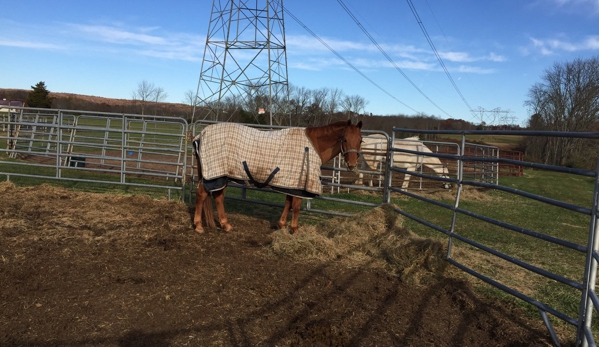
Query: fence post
x=585, y=315
x=124, y=138
x=460, y=177
x=388, y=171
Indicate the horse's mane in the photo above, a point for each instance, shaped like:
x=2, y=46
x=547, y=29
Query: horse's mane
x=326, y=129
x=339, y=124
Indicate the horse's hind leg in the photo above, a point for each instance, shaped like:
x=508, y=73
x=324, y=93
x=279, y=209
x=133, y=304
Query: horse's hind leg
x=202, y=199
x=296, y=206
x=283, y=219
x=219, y=200
x=406, y=180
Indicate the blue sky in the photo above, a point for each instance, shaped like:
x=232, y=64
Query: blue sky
x=493, y=50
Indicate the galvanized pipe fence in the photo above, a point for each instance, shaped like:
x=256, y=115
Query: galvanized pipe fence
x=589, y=303
x=126, y=150
x=143, y=151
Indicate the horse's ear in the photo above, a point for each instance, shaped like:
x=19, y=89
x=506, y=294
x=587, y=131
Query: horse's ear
x=349, y=122
x=359, y=125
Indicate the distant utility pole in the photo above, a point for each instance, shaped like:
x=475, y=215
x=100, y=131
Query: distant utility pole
x=245, y=58
x=504, y=116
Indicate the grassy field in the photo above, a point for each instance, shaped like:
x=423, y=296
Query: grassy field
x=89, y=133
x=504, y=142
x=526, y=213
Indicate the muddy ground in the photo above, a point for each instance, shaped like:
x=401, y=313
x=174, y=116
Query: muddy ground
x=82, y=269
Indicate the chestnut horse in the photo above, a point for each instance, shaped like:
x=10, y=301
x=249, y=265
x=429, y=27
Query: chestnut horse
x=328, y=141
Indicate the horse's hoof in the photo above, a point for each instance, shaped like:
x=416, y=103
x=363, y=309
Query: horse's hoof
x=199, y=230
x=227, y=227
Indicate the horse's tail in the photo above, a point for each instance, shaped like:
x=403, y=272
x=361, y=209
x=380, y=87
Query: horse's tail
x=207, y=206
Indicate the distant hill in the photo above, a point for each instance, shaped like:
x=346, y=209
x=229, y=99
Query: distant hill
x=71, y=101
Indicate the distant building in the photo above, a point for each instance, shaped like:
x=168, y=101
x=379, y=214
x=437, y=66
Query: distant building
x=5, y=106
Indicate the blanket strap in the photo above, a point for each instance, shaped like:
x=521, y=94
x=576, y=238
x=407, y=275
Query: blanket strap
x=307, y=160
x=254, y=182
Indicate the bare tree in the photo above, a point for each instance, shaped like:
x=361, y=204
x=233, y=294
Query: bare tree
x=300, y=98
x=159, y=96
x=280, y=104
x=256, y=98
x=332, y=104
x=190, y=99
x=566, y=100
x=144, y=93
x=317, y=107
x=353, y=105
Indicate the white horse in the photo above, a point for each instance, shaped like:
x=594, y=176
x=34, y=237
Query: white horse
x=374, y=148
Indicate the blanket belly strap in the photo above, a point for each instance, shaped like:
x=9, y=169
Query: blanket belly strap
x=256, y=183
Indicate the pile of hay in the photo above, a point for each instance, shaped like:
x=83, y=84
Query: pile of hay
x=373, y=239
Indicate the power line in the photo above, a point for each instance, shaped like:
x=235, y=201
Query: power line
x=386, y=55
x=344, y=60
x=430, y=42
x=443, y=33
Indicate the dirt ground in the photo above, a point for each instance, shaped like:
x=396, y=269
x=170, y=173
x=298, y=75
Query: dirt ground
x=82, y=269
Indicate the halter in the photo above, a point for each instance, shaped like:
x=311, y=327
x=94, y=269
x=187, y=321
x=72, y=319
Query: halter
x=344, y=152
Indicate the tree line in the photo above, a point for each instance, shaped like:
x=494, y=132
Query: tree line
x=566, y=99
x=286, y=105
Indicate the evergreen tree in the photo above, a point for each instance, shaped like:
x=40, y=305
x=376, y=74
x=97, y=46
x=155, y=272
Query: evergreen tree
x=39, y=96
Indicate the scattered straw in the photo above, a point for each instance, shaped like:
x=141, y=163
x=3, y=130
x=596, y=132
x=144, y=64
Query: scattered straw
x=373, y=239
x=26, y=214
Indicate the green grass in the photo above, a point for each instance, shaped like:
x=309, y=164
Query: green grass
x=97, y=130
x=530, y=214
x=501, y=141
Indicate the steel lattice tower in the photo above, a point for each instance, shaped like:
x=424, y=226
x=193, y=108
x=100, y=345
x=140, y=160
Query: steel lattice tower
x=245, y=59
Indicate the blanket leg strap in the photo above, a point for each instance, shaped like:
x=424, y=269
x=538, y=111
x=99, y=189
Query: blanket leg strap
x=254, y=182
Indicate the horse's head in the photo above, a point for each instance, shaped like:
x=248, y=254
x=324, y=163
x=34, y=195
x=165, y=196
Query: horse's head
x=446, y=185
x=351, y=142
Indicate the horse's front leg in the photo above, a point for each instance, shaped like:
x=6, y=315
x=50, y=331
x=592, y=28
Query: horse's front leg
x=283, y=219
x=296, y=206
x=219, y=200
x=201, y=196
x=406, y=180
x=360, y=179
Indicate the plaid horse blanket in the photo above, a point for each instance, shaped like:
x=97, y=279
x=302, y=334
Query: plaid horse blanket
x=283, y=160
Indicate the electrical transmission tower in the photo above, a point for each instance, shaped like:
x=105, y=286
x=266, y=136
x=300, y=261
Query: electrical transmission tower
x=245, y=61
x=491, y=116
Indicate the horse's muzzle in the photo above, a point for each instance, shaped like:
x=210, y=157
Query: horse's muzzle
x=353, y=169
